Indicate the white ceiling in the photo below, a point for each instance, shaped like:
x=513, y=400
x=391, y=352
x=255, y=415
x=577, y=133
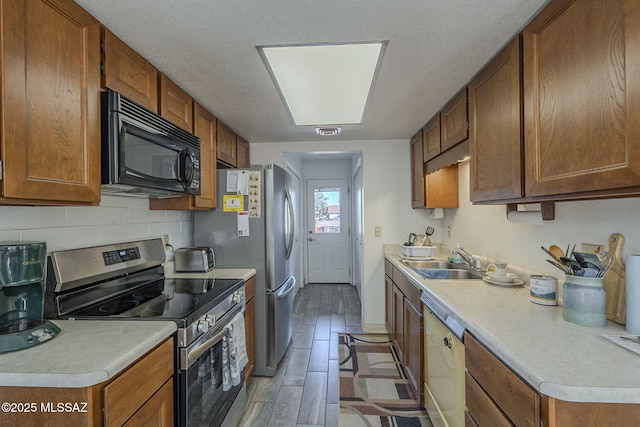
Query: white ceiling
x=208, y=47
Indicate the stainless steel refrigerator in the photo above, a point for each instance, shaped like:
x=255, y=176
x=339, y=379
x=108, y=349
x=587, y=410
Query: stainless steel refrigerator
x=255, y=230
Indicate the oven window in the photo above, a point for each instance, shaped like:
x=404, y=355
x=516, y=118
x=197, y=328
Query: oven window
x=145, y=156
x=207, y=403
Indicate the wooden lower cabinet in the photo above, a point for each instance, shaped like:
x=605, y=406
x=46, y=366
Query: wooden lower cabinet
x=413, y=355
x=140, y=395
x=491, y=381
x=250, y=316
x=404, y=322
x=158, y=411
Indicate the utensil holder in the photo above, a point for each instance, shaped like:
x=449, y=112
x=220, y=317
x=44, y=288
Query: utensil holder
x=585, y=301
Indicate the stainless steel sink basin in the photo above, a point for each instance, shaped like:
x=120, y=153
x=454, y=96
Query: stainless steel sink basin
x=441, y=270
x=428, y=264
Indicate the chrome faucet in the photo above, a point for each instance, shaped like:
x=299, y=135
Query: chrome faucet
x=472, y=261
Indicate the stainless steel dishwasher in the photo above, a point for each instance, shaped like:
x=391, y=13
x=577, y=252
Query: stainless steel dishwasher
x=444, y=365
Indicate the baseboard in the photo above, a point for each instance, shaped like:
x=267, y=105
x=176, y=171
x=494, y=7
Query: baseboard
x=375, y=328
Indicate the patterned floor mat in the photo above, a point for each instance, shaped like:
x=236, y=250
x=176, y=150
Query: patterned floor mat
x=374, y=390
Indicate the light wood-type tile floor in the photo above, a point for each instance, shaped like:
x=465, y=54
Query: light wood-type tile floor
x=304, y=391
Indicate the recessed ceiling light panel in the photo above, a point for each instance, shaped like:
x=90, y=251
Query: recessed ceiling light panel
x=324, y=84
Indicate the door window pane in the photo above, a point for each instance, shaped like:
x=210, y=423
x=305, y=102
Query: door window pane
x=327, y=210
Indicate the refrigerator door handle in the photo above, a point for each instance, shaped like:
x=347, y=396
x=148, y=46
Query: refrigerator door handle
x=291, y=224
x=286, y=290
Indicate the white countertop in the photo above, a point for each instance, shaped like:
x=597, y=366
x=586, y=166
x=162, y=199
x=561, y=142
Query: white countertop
x=84, y=353
x=559, y=359
x=216, y=273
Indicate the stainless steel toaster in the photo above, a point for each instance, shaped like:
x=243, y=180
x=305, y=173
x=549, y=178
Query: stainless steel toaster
x=196, y=259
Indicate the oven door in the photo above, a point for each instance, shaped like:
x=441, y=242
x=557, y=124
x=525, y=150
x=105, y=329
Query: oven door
x=203, y=400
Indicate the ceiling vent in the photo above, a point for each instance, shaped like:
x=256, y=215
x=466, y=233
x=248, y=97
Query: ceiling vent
x=328, y=131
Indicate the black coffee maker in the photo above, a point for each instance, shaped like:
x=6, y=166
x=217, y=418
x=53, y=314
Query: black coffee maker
x=22, y=285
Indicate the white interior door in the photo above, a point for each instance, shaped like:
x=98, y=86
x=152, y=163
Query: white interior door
x=328, y=241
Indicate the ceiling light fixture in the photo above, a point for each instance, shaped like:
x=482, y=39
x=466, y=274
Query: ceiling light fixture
x=328, y=131
x=324, y=84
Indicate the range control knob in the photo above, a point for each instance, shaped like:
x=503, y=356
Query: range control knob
x=203, y=326
x=210, y=319
x=238, y=297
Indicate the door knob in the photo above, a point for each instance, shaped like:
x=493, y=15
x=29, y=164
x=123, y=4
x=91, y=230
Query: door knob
x=311, y=239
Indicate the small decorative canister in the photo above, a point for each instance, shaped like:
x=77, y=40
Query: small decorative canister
x=543, y=289
x=585, y=301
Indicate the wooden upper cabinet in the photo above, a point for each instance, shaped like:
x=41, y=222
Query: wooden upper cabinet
x=495, y=128
x=176, y=105
x=50, y=141
x=127, y=72
x=226, y=145
x=581, y=62
x=431, y=138
x=441, y=188
x=243, y=158
x=454, y=121
x=205, y=128
x=417, y=172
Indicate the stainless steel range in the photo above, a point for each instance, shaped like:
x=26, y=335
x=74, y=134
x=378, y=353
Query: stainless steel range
x=126, y=282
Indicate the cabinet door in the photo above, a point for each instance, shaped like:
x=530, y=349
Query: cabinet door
x=397, y=334
x=125, y=71
x=413, y=346
x=176, y=105
x=388, y=291
x=581, y=74
x=51, y=94
x=242, y=153
x=441, y=188
x=226, y=144
x=158, y=411
x=431, y=138
x=417, y=172
x=495, y=128
x=454, y=121
x=205, y=127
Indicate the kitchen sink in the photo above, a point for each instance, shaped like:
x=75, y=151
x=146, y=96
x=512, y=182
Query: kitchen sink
x=428, y=264
x=441, y=270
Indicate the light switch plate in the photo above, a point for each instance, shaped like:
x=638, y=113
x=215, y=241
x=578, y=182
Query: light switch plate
x=378, y=231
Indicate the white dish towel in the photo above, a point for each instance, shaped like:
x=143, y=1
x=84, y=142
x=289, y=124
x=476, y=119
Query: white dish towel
x=237, y=347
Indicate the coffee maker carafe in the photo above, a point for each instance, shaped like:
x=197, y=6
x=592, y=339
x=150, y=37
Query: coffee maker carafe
x=22, y=287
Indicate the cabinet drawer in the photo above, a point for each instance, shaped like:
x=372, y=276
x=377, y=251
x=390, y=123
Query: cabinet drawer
x=409, y=290
x=129, y=391
x=516, y=399
x=388, y=268
x=482, y=410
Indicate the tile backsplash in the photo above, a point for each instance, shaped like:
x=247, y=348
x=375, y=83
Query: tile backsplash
x=116, y=219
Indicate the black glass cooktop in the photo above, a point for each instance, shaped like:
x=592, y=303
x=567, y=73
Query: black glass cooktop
x=181, y=300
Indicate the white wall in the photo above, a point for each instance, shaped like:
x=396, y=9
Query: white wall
x=117, y=219
x=485, y=229
x=387, y=203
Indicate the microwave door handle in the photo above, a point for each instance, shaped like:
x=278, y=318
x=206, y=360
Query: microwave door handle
x=185, y=166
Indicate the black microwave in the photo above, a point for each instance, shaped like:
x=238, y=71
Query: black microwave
x=144, y=154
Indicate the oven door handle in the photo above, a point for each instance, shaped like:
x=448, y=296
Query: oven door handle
x=189, y=356
x=194, y=354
